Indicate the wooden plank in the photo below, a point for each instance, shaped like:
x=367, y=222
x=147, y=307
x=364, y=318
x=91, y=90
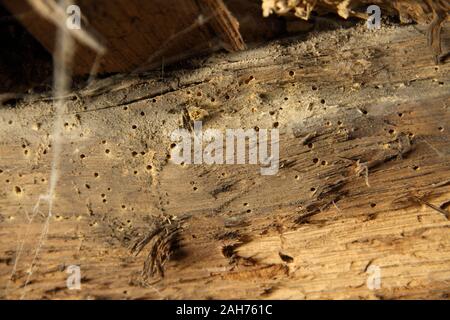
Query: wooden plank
x=311, y=231
x=432, y=12
x=139, y=34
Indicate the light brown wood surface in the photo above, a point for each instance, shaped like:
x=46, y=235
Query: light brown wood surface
x=376, y=100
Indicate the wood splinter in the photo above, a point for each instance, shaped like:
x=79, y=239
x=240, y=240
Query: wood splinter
x=441, y=9
x=164, y=239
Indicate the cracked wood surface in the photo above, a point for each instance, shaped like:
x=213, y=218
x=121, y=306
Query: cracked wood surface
x=364, y=178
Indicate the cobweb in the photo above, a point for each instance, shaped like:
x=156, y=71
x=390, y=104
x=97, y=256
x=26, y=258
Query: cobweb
x=62, y=61
x=65, y=43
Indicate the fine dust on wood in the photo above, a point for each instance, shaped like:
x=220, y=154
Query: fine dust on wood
x=432, y=12
x=363, y=120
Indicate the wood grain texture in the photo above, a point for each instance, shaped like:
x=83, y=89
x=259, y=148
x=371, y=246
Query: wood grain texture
x=374, y=101
x=432, y=12
x=140, y=34
x=420, y=11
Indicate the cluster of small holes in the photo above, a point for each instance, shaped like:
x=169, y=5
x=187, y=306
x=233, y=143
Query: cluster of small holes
x=25, y=151
x=275, y=125
x=247, y=81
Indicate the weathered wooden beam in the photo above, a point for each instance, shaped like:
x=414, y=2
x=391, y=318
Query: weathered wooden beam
x=432, y=12
x=137, y=34
x=363, y=180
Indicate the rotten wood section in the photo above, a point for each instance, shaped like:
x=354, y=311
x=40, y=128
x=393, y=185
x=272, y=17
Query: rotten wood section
x=136, y=34
x=432, y=12
x=408, y=10
x=364, y=179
